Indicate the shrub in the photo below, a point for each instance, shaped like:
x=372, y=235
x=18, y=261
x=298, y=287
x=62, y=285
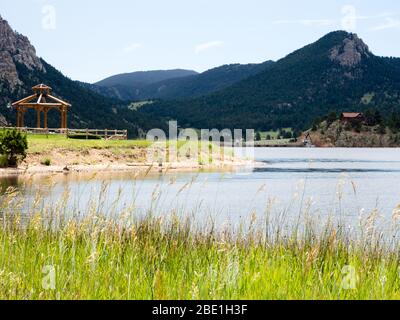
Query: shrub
x=331, y=118
x=347, y=126
x=13, y=146
x=3, y=161
x=373, y=117
x=357, y=127
x=316, y=124
x=381, y=129
x=286, y=134
x=46, y=162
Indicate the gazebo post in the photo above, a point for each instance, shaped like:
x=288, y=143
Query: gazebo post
x=65, y=119
x=62, y=119
x=22, y=120
x=45, y=111
x=18, y=118
x=38, y=118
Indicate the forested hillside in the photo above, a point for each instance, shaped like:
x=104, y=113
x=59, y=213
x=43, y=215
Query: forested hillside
x=336, y=73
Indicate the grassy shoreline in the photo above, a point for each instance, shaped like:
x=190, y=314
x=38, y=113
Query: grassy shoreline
x=99, y=257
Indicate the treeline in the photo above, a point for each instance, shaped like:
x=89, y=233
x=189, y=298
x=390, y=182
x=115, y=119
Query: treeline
x=280, y=134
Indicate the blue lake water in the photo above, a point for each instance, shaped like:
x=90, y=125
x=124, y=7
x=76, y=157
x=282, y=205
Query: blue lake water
x=345, y=182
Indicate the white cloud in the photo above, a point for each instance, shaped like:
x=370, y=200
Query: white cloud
x=208, y=45
x=308, y=22
x=349, y=15
x=390, y=23
x=132, y=47
x=378, y=16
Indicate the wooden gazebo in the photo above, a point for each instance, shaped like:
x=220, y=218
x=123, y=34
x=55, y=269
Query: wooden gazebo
x=42, y=101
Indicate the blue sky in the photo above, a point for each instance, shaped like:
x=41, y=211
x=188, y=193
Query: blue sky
x=91, y=39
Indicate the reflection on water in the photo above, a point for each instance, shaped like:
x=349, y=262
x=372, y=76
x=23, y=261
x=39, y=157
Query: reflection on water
x=323, y=170
x=10, y=181
x=345, y=182
x=305, y=160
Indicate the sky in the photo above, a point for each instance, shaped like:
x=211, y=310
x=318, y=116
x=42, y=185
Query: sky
x=92, y=39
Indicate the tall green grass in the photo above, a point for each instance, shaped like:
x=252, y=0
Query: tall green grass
x=101, y=254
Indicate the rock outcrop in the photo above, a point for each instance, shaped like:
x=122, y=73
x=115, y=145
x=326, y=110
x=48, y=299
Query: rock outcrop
x=3, y=121
x=15, y=48
x=350, y=52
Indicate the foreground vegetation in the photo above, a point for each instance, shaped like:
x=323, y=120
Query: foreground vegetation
x=117, y=255
x=13, y=145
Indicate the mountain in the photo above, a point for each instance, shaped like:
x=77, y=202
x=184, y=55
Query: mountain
x=132, y=88
x=336, y=73
x=20, y=69
x=207, y=82
x=127, y=86
x=142, y=78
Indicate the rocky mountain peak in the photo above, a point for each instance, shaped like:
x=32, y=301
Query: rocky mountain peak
x=350, y=52
x=15, y=48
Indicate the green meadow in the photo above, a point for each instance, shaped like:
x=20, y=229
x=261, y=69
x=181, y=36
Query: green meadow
x=44, y=143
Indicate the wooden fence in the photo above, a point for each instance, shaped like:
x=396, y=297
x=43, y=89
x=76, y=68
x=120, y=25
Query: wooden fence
x=107, y=134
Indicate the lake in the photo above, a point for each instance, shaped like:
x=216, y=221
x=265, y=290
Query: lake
x=324, y=182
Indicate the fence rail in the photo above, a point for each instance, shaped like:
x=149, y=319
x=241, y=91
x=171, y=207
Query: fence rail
x=107, y=134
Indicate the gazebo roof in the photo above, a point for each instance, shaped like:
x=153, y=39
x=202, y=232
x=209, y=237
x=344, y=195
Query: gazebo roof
x=41, y=97
x=41, y=86
x=351, y=114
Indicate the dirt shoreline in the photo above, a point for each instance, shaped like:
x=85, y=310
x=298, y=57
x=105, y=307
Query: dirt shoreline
x=138, y=167
x=64, y=161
